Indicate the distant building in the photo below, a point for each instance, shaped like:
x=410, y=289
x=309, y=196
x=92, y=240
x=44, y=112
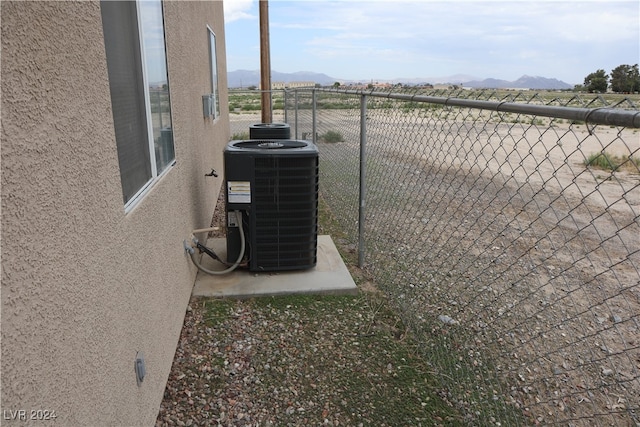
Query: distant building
x=291, y=85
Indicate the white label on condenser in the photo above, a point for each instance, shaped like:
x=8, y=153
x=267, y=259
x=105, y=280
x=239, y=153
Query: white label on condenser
x=239, y=191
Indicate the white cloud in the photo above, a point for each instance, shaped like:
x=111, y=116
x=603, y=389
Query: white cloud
x=235, y=10
x=491, y=38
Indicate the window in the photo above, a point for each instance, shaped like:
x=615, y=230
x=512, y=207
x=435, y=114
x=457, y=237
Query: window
x=214, y=73
x=139, y=86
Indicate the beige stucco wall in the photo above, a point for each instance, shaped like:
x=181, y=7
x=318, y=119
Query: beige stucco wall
x=85, y=285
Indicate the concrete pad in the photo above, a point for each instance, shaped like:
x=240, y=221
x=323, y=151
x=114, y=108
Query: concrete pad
x=329, y=276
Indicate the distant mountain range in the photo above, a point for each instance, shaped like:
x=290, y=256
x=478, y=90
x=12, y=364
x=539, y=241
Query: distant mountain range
x=246, y=78
x=524, y=82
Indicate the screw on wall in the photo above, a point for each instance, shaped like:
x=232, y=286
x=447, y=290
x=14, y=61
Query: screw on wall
x=139, y=367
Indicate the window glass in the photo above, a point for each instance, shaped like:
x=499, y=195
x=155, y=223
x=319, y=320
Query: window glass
x=127, y=94
x=137, y=69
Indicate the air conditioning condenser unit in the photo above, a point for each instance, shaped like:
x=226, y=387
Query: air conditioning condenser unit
x=272, y=187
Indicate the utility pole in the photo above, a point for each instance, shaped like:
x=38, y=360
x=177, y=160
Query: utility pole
x=265, y=62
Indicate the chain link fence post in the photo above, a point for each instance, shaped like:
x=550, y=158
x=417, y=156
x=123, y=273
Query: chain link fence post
x=363, y=178
x=284, y=106
x=313, y=117
x=295, y=111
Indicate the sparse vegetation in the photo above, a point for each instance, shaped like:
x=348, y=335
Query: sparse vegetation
x=608, y=161
x=602, y=161
x=249, y=101
x=300, y=360
x=240, y=135
x=332, y=136
x=303, y=360
x=240, y=101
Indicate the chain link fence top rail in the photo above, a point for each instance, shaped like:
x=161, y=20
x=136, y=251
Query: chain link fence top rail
x=505, y=227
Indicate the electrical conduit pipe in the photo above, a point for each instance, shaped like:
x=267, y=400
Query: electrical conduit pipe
x=194, y=256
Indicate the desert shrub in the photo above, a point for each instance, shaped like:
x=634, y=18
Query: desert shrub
x=240, y=135
x=602, y=160
x=607, y=161
x=332, y=136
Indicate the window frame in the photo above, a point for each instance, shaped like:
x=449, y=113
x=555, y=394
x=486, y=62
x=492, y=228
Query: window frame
x=145, y=85
x=129, y=204
x=213, y=65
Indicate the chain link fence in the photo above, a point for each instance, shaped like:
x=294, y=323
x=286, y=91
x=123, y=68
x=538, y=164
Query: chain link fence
x=505, y=228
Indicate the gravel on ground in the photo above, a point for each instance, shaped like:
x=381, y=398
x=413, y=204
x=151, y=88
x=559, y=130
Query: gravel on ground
x=299, y=361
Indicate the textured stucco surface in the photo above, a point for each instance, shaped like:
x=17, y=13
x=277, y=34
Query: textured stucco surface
x=85, y=285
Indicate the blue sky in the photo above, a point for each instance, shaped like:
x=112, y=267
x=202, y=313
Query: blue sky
x=390, y=39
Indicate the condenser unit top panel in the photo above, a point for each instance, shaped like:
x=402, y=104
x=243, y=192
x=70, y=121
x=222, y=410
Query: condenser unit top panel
x=271, y=146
